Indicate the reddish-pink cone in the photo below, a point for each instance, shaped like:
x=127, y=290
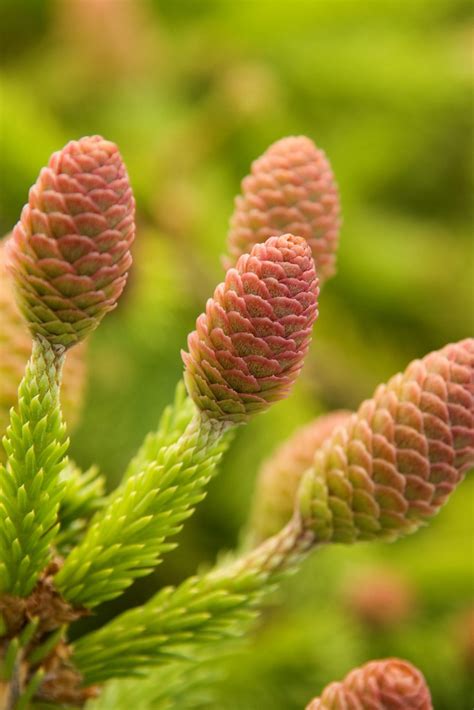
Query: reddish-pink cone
x=394, y=463
x=70, y=251
x=390, y=684
x=249, y=346
x=291, y=188
x=280, y=475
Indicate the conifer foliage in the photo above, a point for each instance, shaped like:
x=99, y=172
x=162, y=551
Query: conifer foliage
x=65, y=547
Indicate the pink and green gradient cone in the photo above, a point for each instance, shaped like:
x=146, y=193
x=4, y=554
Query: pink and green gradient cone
x=291, y=188
x=249, y=345
x=280, y=475
x=15, y=350
x=390, y=684
x=394, y=463
x=70, y=251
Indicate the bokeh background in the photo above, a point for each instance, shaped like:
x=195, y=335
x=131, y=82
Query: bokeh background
x=193, y=91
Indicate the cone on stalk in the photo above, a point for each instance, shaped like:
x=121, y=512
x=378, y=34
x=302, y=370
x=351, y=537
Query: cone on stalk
x=15, y=350
x=70, y=251
x=291, y=188
x=249, y=345
x=394, y=463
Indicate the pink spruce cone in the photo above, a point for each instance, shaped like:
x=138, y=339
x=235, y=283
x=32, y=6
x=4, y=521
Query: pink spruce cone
x=248, y=347
x=291, y=188
x=280, y=475
x=70, y=251
x=394, y=463
x=390, y=684
x=15, y=350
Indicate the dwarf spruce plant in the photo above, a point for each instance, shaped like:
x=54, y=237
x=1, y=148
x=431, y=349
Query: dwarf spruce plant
x=379, y=473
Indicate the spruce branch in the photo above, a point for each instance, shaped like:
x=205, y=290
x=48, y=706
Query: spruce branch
x=377, y=474
x=245, y=354
x=180, y=622
x=127, y=538
x=432, y=401
x=427, y=409
x=30, y=488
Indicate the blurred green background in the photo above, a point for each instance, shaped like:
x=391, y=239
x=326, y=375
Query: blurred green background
x=193, y=91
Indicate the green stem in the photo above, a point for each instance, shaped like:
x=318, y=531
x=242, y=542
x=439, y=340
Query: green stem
x=127, y=538
x=30, y=490
x=202, y=610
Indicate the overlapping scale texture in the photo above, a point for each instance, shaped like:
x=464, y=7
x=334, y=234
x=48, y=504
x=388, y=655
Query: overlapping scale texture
x=70, y=251
x=395, y=462
x=291, y=188
x=15, y=351
x=280, y=475
x=390, y=684
x=249, y=345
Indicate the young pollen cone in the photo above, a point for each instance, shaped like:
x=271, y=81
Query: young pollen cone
x=291, y=188
x=70, y=251
x=249, y=345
